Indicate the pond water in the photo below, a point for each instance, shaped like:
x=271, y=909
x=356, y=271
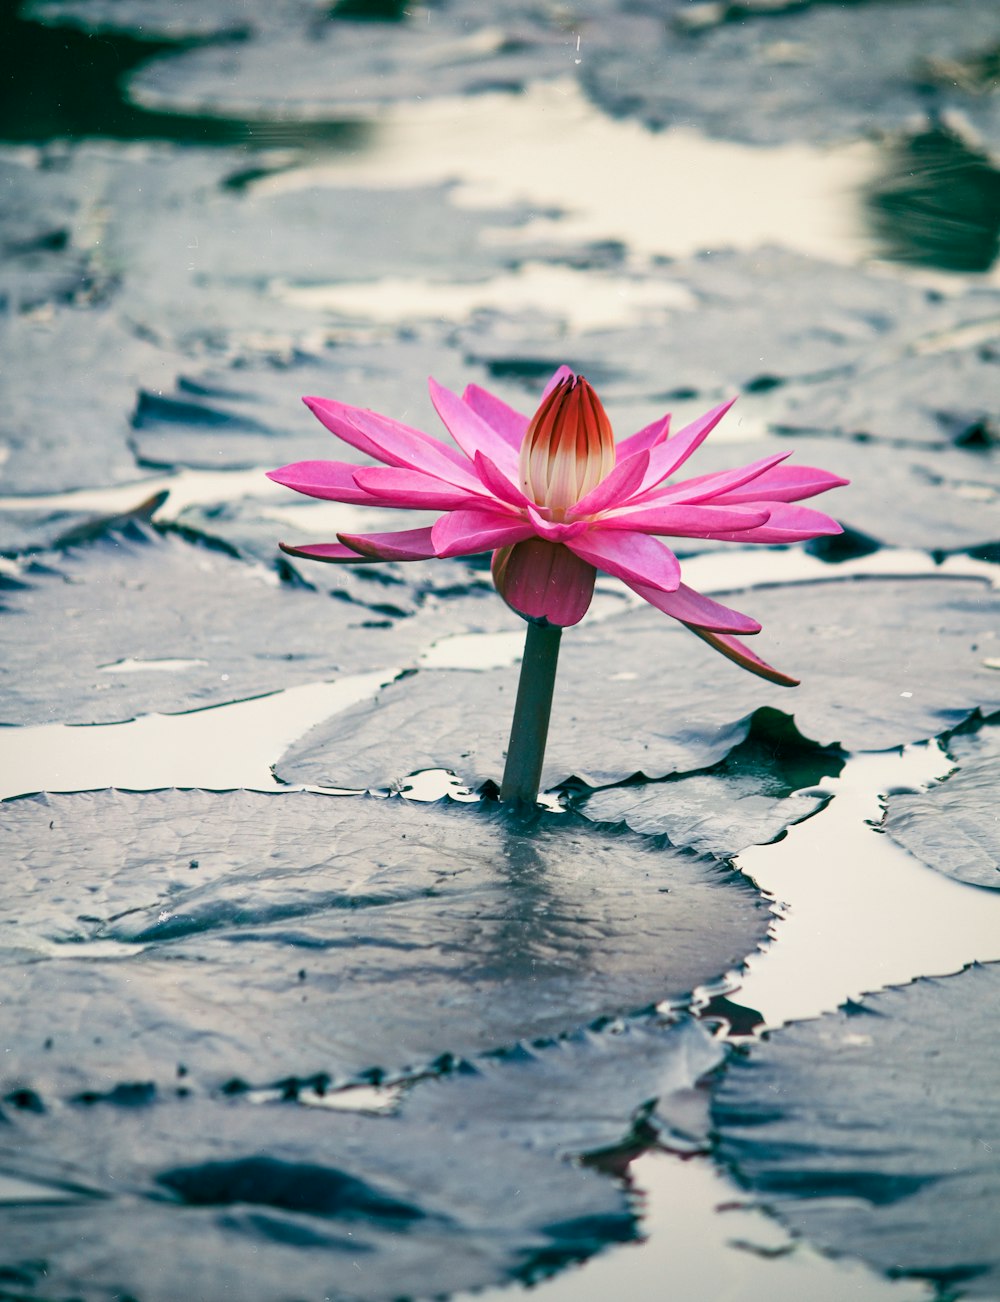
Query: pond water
x=291, y=1007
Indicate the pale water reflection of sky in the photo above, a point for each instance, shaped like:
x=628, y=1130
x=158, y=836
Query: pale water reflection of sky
x=668, y=193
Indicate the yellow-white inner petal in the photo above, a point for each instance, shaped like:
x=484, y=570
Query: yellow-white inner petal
x=568, y=448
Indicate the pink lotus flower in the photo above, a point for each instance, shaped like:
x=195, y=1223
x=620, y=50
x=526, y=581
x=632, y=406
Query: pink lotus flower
x=556, y=499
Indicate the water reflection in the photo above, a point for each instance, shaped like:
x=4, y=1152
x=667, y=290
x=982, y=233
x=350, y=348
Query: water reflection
x=938, y=203
x=370, y=11
x=63, y=83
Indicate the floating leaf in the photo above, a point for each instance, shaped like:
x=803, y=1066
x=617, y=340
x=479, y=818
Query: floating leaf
x=135, y=596
x=799, y=69
x=39, y=266
x=587, y=1093
x=74, y=433
x=750, y=798
x=939, y=400
x=348, y=69
x=883, y=662
x=205, y=269
x=160, y=19
x=262, y=937
x=873, y=1131
x=751, y=326
x=251, y=414
x=203, y=1198
x=954, y=827
x=929, y=498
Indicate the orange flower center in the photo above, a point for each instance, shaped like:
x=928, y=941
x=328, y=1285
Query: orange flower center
x=567, y=449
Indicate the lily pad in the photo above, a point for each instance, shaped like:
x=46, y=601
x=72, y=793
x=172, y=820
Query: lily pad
x=132, y=597
x=74, y=433
x=262, y=937
x=329, y=71
x=753, y=326
x=717, y=815
x=204, y=265
x=873, y=1131
x=453, y=595
x=869, y=683
x=25, y=530
x=156, y=20
x=629, y=1085
x=800, y=70
x=33, y=529
x=954, y=827
x=751, y=797
x=262, y=1195
x=251, y=414
x=39, y=266
x=943, y=400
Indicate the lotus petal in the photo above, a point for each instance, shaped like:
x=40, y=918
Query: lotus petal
x=692, y=608
x=633, y=557
x=507, y=422
x=465, y=532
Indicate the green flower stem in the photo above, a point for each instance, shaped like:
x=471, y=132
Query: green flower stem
x=530, y=729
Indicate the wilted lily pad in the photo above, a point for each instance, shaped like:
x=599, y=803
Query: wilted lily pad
x=873, y=1131
x=954, y=826
x=201, y=1198
x=883, y=662
x=750, y=798
x=267, y=936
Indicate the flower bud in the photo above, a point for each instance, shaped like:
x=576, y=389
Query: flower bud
x=567, y=449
